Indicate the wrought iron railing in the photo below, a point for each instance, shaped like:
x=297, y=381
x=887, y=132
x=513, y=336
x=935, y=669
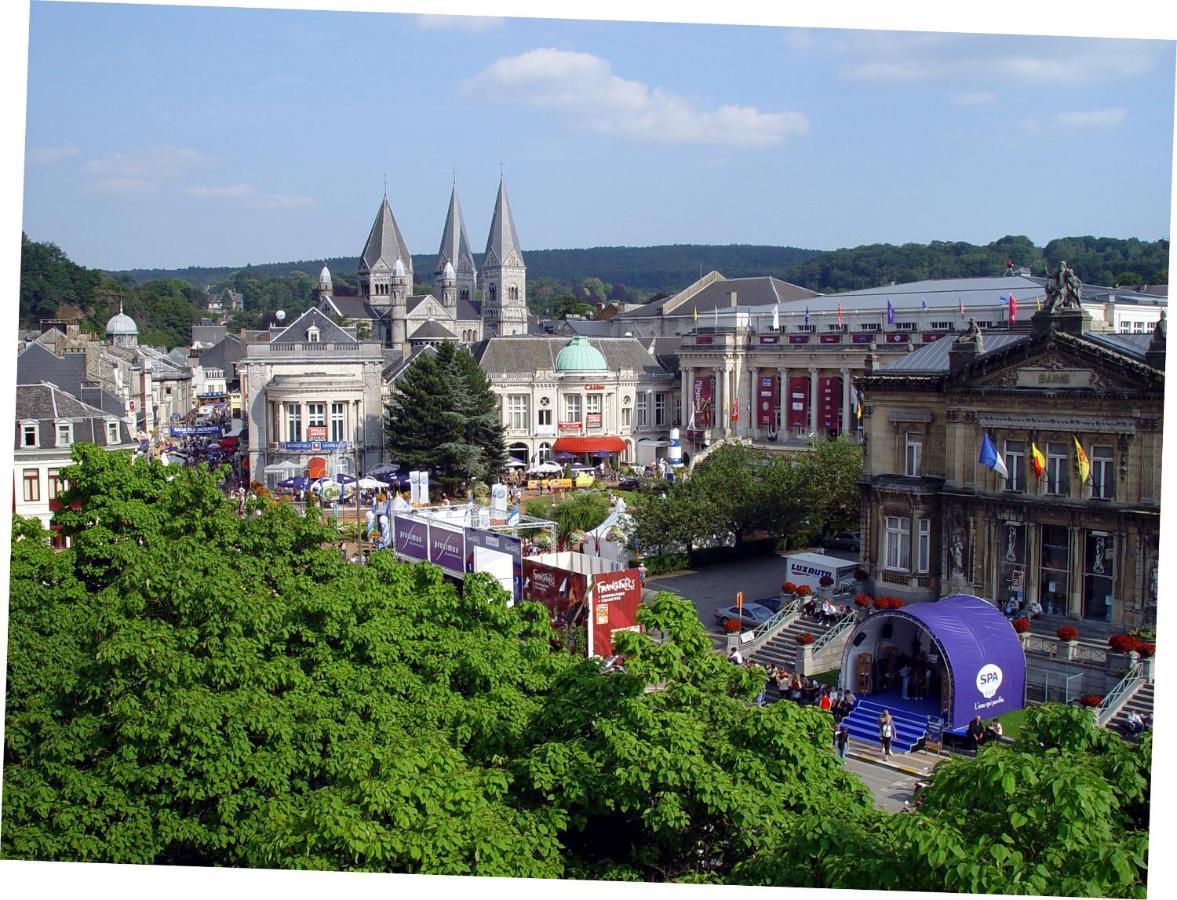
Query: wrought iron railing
x=1118, y=696
x=780, y=619
x=834, y=634
x=1036, y=643
x=1046, y=685
x=1091, y=654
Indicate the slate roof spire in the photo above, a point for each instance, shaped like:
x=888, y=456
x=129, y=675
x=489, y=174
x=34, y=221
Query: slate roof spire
x=385, y=242
x=455, y=243
x=503, y=238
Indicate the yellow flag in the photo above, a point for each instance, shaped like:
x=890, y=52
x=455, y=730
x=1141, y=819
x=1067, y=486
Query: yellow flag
x=1082, y=463
x=696, y=311
x=1038, y=304
x=1037, y=460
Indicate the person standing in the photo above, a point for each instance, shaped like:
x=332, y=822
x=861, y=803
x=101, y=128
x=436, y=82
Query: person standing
x=642, y=573
x=842, y=742
x=904, y=679
x=976, y=733
x=886, y=732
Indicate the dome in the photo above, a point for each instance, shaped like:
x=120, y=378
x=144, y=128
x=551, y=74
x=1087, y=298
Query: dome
x=398, y=269
x=325, y=276
x=581, y=356
x=121, y=324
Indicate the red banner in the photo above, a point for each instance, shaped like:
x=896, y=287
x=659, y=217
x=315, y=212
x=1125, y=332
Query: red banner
x=616, y=598
x=798, y=403
x=829, y=403
x=316, y=432
x=592, y=420
x=766, y=401
x=703, y=388
x=561, y=591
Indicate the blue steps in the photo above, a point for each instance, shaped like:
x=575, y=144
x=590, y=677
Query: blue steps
x=863, y=724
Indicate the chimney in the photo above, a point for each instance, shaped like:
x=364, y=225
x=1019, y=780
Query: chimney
x=731, y=296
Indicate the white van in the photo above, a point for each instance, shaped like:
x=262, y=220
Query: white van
x=808, y=568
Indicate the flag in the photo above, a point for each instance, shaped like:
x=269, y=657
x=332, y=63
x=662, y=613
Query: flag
x=1038, y=304
x=1013, y=308
x=807, y=315
x=1082, y=463
x=961, y=299
x=696, y=312
x=924, y=303
x=513, y=515
x=776, y=317
x=890, y=312
x=1037, y=460
x=839, y=312
x=650, y=349
x=989, y=457
x=858, y=404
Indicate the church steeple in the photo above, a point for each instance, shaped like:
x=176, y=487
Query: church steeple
x=385, y=246
x=455, y=251
x=504, y=275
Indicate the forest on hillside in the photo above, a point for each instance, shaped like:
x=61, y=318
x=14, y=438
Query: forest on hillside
x=166, y=302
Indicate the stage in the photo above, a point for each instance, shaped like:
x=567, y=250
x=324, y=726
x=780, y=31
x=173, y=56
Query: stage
x=910, y=718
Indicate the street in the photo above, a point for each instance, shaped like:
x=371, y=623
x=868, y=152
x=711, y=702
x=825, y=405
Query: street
x=890, y=788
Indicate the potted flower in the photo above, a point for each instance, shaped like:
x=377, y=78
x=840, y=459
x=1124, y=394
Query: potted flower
x=1021, y=626
x=1091, y=700
x=789, y=588
x=543, y=540
x=1068, y=637
x=1123, y=643
x=576, y=538
x=731, y=626
x=1067, y=633
x=804, y=590
x=616, y=534
x=804, y=638
x=862, y=601
x=860, y=575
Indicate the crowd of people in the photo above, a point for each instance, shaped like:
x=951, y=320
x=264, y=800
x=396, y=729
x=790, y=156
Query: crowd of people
x=825, y=612
x=800, y=689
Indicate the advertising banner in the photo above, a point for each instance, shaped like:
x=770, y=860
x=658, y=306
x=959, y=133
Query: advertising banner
x=178, y=430
x=704, y=388
x=316, y=432
x=562, y=592
x=423, y=499
x=616, y=597
x=411, y=537
x=498, y=501
x=447, y=548
x=766, y=401
x=799, y=403
x=592, y=420
x=414, y=487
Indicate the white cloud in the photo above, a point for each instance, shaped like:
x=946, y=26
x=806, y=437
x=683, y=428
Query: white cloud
x=584, y=88
x=246, y=196
x=120, y=187
x=149, y=164
x=461, y=23
x=1092, y=118
x=41, y=156
x=974, y=98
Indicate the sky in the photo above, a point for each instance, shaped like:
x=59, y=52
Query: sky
x=172, y=136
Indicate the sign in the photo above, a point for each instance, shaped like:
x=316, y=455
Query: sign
x=703, y=388
x=861, y=338
x=447, y=548
x=616, y=597
x=929, y=336
x=316, y=432
x=411, y=537
x=592, y=420
x=798, y=339
x=766, y=401
x=314, y=446
x=935, y=736
x=563, y=593
x=505, y=544
x=594, y=387
x=569, y=427
x=1056, y=378
x=830, y=338
x=897, y=337
x=703, y=339
x=178, y=430
x=770, y=338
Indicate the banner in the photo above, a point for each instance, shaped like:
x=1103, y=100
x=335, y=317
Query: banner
x=495, y=546
x=178, y=430
x=616, y=597
x=414, y=487
x=447, y=548
x=562, y=592
x=766, y=401
x=592, y=420
x=704, y=388
x=411, y=537
x=423, y=499
x=498, y=501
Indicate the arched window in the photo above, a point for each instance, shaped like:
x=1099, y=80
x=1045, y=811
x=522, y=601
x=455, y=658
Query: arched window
x=518, y=451
x=494, y=293
x=513, y=292
x=544, y=453
x=464, y=294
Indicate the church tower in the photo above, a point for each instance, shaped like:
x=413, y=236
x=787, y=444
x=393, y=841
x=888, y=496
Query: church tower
x=455, y=252
x=386, y=272
x=503, y=275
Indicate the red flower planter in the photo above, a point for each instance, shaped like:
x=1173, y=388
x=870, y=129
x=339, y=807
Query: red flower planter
x=1091, y=700
x=862, y=601
x=1067, y=633
x=804, y=638
x=731, y=626
x=1124, y=643
x=1021, y=626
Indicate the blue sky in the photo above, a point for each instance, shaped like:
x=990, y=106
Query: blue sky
x=170, y=136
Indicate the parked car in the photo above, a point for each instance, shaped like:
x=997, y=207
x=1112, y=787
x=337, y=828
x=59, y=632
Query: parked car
x=629, y=483
x=753, y=614
x=843, y=540
x=773, y=603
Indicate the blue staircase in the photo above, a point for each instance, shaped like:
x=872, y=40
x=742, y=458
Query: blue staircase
x=863, y=724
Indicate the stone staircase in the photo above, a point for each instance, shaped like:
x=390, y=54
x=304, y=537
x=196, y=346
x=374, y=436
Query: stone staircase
x=782, y=649
x=1140, y=702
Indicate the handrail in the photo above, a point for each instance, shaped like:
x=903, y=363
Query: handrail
x=770, y=624
x=1118, y=696
x=833, y=634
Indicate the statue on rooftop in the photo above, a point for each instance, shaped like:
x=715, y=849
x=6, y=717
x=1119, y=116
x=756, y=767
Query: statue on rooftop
x=1064, y=290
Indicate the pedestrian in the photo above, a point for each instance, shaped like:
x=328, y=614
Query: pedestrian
x=842, y=742
x=976, y=733
x=886, y=731
x=825, y=702
x=735, y=657
x=642, y=573
x=904, y=679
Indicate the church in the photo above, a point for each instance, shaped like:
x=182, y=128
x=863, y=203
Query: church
x=387, y=310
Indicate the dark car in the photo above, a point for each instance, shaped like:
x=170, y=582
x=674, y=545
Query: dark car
x=843, y=540
x=773, y=603
x=629, y=483
x=753, y=614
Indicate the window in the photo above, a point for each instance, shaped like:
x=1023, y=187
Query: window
x=493, y=292
x=1098, y=575
x=626, y=417
x=836, y=327
x=660, y=409
x=572, y=407
x=112, y=432
x=338, y=418
x=545, y=418
x=1103, y=476
x=923, y=555
x=32, y=482
x=1057, y=470
x=544, y=453
x=513, y=293
x=317, y=414
x=28, y=434
x=1011, y=563
x=643, y=410
x=464, y=294
x=1015, y=464
x=904, y=326
x=870, y=326
x=806, y=329
x=914, y=452
x=1054, y=576
x=313, y=335
x=55, y=484
x=898, y=544
x=65, y=434
x=294, y=422
x=985, y=324
x=518, y=415
x=942, y=326
x=593, y=405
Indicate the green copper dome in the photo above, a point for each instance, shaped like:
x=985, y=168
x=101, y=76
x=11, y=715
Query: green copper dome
x=580, y=356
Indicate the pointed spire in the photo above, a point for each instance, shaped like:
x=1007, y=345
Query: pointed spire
x=455, y=243
x=503, y=237
x=385, y=242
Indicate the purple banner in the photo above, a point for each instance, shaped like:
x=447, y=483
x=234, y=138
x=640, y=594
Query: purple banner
x=900, y=338
x=831, y=338
x=501, y=543
x=770, y=339
x=861, y=338
x=798, y=339
x=447, y=548
x=411, y=537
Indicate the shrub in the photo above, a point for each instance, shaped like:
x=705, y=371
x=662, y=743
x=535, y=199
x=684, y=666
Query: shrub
x=789, y=588
x=1091, y=700
x=862, y=601
x=731, y=626
x=804, y=590
x=1021, y=626
x=1145, y=634
x=670, y=562
x=825, y=581
x=1067, y=633
x=1123, y=643
x=804, y=638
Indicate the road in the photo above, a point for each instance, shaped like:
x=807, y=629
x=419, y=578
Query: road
x=890, y=788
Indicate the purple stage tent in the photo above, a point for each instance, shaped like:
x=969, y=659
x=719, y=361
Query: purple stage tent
x=981, y=651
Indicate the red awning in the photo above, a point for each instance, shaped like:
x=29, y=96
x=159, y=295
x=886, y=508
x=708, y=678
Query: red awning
x=588, y=444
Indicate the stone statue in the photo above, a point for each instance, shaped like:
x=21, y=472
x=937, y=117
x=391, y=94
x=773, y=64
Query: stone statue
x=1064, y=290
x=957, y=553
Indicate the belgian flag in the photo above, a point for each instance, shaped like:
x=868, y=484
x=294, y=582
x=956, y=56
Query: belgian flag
x=1082, y=463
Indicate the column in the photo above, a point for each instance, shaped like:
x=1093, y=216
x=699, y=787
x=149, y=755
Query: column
x=754, y=403
x=1033, y=561
x=847, y=405
x=782, y=401
x=1075, y=577
x=684, y=401
x=812, y=399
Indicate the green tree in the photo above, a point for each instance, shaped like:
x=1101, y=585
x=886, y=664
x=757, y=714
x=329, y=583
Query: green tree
x=582, y=511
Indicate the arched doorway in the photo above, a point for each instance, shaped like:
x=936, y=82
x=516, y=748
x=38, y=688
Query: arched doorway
x=544, y=453
x=518, y=451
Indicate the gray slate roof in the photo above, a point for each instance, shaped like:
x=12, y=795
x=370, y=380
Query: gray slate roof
x=223, y=355
x=296, y=331
x=503, y=237
x=46, y=404
x=1134, y=345
x=396, y=369
x=933, y=357
x=528, y=354
x=751, y=291
x=433, y=330
x=356, y=308
x=37, y=364
x=385, y=244
x=455, y=244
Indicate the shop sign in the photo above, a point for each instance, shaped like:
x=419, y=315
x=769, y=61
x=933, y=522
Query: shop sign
x=592, y=420
x=570, y=427
x=316, y=432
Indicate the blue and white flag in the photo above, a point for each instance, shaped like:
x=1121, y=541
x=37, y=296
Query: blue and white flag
x=989, y=457
x=513, y=515
x=890, y=312
x=924, y=303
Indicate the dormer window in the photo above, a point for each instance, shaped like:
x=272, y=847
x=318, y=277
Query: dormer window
x=313, y=335
x=112, y=431
x=29, y=434
x=65, y=434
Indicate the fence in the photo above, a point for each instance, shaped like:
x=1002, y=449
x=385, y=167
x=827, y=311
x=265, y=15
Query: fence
x=1046, y=685
x=1119, y=695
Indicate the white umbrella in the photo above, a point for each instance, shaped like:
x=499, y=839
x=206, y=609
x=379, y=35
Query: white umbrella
x=548, y=467
x=513, y=463
x=386, y=468
x=369, y=483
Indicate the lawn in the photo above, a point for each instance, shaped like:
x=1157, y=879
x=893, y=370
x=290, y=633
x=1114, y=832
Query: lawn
x=1011, y=723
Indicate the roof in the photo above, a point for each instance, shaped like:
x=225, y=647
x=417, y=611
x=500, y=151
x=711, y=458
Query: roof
x=713, y=291
x=385, y=244
x=933, y=357
x=296, y=331
x=581, y=356
x=47, y=403
x=528, y=354
x=503, y=238
x=394, y=371
x=351, y=307
x=121, y=324
x=224, y=355
x=455, y=244
x=432, y=330
x=1134, y=345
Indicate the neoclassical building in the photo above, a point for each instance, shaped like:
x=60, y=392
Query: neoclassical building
x=582, y=396
x=937, y=520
